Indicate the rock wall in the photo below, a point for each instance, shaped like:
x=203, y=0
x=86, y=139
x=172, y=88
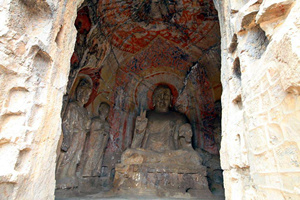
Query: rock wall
x=37, y=40
x=261, y=109
x=260, y=77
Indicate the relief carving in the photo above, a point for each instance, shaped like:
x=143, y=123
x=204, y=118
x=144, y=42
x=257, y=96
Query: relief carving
x=75, y=126
x=96, y=143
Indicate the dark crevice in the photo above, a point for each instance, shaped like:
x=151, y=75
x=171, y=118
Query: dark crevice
x=237, y=68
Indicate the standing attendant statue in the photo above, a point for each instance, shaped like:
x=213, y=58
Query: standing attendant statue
x=96, y=143
x=75, y=126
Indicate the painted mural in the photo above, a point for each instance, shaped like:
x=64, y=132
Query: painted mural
x=132, y=25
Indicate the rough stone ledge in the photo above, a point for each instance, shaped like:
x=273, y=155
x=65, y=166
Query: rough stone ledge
x=161, y=168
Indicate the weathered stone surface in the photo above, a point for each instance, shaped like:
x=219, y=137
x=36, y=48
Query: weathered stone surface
x=34, y=73
x=75, y=124
x=268, y=52
x=162, y=159
x=162, y=179
x=261, y=104
x=272, y=13
x=246, y=16
x=96, y=143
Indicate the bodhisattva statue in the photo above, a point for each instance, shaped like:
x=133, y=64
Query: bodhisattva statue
x=75, y=126
x=161, y=157
x=96, y=143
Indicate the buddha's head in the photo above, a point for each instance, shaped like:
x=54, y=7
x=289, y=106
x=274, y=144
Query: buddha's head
x=162, y=98
x=83, y=91
x=103, y=110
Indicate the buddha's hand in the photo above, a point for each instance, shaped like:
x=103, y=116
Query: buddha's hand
x=141, y=122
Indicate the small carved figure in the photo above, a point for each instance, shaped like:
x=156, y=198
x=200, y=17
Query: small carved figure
x=75, y=125
x=185, y=136
x=139, y=131
x=96, y=142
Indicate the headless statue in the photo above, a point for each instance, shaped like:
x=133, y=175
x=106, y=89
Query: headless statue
x=96, y=143
x=75, y=125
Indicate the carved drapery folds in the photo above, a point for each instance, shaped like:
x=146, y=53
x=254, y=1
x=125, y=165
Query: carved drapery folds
x=161, y=154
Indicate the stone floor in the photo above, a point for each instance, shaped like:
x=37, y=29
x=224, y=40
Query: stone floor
x=132, y=197
x=109, y=196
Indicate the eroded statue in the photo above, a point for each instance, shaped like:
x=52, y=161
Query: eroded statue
x=96, y=143
x=158, y=131
x=162, y=131
x=75, y=125
x=161, y=156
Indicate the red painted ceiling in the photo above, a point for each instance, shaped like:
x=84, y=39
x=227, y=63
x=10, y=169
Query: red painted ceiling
x=131, y=25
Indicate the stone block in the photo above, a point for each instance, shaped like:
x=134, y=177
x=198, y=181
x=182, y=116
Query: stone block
x=13, y=128
x=271, y=14
x=291, y=126
x=258, y=179
x=8, y=158
x=273, y=180
x=275, y=134
x=272, y=9
x=263, y=163
x=288, y=157
x=236, y=5
x=264, y=84
x=277, y=94
x=17, y=100
x=246, y=16
x=257, y=140
x=288, y=195
x=224, y=157
x=265, y=100
x=289, y=104
x=253, y=106
x=269, y=193
x=273, y=72
x=276, y=115
x=161, y=180
x=290, y=181
x=6, y=190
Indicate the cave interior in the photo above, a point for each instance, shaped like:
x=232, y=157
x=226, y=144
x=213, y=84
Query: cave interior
x=127, y=48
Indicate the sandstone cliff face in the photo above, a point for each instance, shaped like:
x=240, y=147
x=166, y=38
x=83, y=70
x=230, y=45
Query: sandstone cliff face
x=260, y=77
x=37, y=40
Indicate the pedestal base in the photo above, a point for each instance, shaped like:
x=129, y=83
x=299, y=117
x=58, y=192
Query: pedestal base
x=163, y=180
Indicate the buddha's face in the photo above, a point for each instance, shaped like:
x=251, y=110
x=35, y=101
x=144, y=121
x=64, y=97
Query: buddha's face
x=162, y=99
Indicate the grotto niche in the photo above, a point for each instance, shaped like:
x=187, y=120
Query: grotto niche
x=127, y=49
x=161, y=159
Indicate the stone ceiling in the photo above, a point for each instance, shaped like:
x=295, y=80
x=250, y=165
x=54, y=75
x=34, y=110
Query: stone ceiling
x=133, y=25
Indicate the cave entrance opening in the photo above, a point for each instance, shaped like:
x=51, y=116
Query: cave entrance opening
x=123, y=51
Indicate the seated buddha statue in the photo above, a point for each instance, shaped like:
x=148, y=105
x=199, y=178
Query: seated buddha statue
x=161, y=156
x=161, y=132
